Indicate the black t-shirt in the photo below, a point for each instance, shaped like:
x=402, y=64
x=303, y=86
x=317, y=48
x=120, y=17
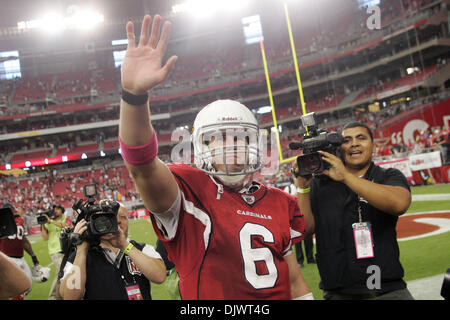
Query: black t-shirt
x=105, y=281
x=335, y=209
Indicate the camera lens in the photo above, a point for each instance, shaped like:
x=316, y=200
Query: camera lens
x=102, y=224
x=312, y=162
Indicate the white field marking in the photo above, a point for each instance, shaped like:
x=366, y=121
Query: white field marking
x=431, y=197
x=442, y=223
x=428, y=288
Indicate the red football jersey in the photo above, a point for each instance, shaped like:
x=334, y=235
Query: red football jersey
x=12, y=246
x=232, y=247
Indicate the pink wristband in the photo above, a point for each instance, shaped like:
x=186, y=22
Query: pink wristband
x=140, y=155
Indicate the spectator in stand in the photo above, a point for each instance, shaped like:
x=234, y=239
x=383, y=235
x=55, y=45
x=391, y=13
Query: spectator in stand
x=441, y=143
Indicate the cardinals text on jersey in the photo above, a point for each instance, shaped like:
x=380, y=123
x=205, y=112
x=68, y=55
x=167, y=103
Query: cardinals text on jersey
x=229, y=248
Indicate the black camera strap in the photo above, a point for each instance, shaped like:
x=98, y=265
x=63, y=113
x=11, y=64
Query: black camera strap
x=63, y=265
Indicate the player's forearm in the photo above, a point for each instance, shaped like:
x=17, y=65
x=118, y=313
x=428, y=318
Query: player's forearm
x=299, y=287
x=27, y=247
x=153, y=179
x=135, y=127
x=13, y=281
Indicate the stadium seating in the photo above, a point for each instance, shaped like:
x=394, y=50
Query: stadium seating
x=193, y=73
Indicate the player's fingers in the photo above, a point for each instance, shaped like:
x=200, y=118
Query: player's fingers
x=143, y=39
x=170, y=64
x=154, y=36
x=162, y=44
x=130, y=35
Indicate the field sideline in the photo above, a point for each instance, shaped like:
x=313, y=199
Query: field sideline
x=421, y=258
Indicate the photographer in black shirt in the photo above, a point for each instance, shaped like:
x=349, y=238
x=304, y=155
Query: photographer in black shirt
x=116, y=269
x=353, y=208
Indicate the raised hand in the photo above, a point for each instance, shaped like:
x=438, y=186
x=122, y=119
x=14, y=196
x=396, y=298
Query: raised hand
x=142, y=67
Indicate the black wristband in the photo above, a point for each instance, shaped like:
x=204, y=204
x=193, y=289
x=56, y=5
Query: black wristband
x=134, y=100
x=35, y=260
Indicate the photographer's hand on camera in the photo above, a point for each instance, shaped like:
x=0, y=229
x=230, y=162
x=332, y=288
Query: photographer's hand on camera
x=299, y=181
x=80, y=228
x=337, y=171
x=117, y=240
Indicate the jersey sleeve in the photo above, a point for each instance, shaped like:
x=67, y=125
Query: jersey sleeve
x=296, y=220
x=167, y=224
x=150, y=251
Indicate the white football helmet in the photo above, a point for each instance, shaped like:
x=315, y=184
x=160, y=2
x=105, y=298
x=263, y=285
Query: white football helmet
x=40, y=273
x=225, y=121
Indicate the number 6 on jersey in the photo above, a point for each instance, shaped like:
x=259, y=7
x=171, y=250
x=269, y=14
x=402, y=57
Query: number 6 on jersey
x=253, y=255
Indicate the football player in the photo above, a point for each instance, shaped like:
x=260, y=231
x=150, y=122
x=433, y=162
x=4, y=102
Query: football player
x=14, y=246
x=229, y=236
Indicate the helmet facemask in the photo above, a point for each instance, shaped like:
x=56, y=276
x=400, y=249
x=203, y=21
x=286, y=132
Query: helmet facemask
x=229, y=151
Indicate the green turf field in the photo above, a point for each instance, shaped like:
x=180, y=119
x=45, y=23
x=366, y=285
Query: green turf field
x=437, y=188
x=420, y=258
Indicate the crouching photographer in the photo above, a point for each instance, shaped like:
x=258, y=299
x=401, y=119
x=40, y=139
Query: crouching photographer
x=102, y=263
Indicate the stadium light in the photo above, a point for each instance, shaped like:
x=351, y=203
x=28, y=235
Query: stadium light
x=119, y=42
x=263, y=110
x=86, y=19
x=51, y=23
x=411, y=70
x=203, y=8
x=75, y=18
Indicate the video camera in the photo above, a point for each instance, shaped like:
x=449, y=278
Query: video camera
x=41, y=219
x=314, y=140
x=7, y=223
x=101, y=219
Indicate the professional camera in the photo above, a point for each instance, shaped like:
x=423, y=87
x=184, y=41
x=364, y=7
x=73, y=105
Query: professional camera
x=101, y=219
x=41, y=219
x=7, y=223
x=314, y=140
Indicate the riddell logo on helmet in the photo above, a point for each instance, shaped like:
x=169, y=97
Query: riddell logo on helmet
x=229, y=118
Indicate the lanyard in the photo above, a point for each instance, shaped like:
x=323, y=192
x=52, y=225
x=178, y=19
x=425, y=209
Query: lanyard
x=117, y=263
x=126, y=282
x=359, y=210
